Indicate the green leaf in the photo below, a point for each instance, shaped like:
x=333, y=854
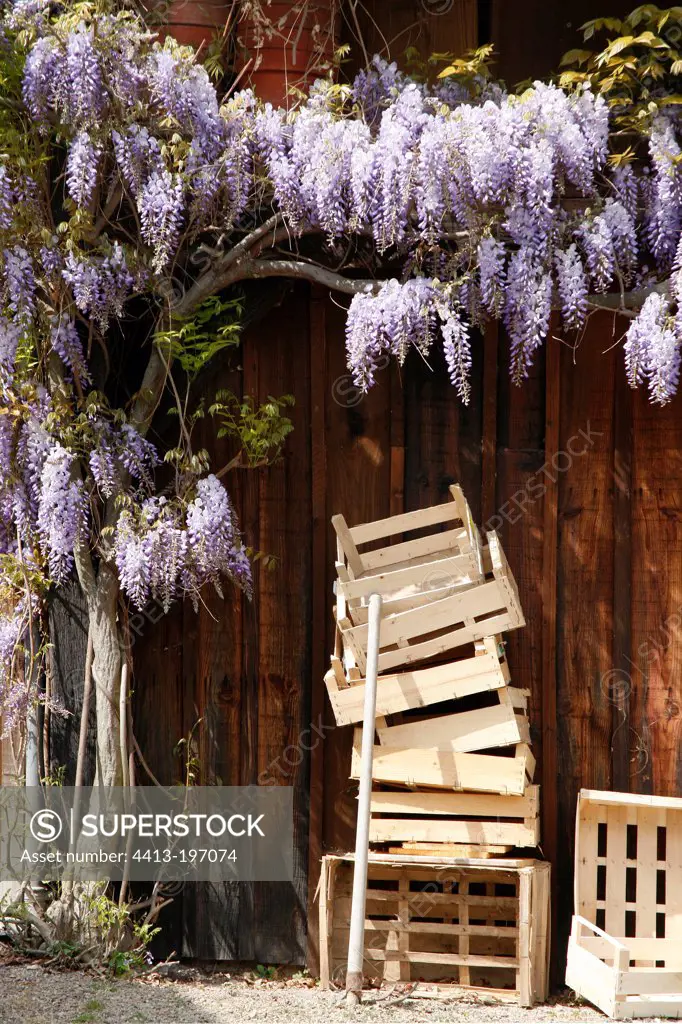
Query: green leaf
x=649, y=39
x=576, y=57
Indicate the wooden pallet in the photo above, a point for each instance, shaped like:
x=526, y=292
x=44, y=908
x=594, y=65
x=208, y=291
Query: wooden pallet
x=468, y=818
x=447, y=769
x=628, y=875
x=453, y=925
x=403, y=691
x=444, y=624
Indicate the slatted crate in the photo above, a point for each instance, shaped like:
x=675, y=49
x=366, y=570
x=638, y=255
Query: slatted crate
x=445, y=620
x=422, y=819
x=404, y=691
x=508, y=771
x=625, y=950
x=500, y=725
x=408, y=573
x=449, y=927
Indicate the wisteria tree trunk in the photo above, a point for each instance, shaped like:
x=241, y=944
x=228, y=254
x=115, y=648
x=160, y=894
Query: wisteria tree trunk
x=101, y=590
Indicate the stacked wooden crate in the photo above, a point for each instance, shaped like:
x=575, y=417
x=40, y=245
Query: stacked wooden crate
x=452, y=768
x=442, y=927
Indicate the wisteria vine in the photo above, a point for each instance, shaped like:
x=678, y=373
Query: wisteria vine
x=464, y=206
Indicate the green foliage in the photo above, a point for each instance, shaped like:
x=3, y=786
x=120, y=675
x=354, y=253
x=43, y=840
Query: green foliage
x=268, y=973
x=56, y=777
x=637, y=70
x=194, y=340
x=471, y=71
x=260, y=431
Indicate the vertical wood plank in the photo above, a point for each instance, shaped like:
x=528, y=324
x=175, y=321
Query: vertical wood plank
x=489, y=439
x=656, y=700
x=284, y=613
x=622, y=577
x=583, y=465
x=519, y=519
x=318, y=395
x=549, y=610
x=397, y=467
x=358, y=443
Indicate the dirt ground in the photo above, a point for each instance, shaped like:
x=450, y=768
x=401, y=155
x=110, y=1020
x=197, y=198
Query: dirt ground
x=31, y=994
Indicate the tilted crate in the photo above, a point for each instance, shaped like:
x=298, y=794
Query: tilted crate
x=447, y=926
x=508, y=772
x=408, y=573
x=625, y=949
x=448, y=619
x=417, y=688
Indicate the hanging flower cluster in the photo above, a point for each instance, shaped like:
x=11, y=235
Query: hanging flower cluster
x=131, y=170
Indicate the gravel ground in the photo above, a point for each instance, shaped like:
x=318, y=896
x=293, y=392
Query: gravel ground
x=31, y=994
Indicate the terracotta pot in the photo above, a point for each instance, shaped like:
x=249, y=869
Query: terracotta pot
x=193, y=22
x=302, y=38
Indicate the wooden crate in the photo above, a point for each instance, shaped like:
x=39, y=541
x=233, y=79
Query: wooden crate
x=403, y=691
x=448, y=769
x=450, y=926
x=408, y=573
x=443, y=624
x=625, y=950
x=499, y=725
x=474, y=819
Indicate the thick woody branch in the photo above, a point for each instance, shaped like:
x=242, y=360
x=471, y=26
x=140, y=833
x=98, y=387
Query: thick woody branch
x=228, y=271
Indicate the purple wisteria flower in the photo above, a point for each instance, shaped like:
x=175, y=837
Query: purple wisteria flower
x=67, y=344
x=215, y=546
x=572, y=287
x=62, y=512
x=19, y=282
x=101, y=282
x=161, y=204
x=82, y=167
x=6, y=199
x=652, y=350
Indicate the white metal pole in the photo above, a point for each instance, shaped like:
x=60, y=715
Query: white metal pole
x=356, y=942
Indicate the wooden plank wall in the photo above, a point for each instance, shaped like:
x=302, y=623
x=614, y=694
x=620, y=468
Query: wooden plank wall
x=583, y=481
x=581, y=478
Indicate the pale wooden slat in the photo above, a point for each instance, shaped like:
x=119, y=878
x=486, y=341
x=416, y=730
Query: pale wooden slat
x=633, y=799
x=438, y=928
x=365, y=533
x=347, y=544
x=483, y=729
x=484, y=600
x=479, y=804
x=422, y=687
x=444, y=769
x=673, y=870
x=421, y=650
x=586, y=846
x=616, y=821
x=453, y=959
x=647, y=819
x=453, y=570
x=414, y=550
x=503, y=833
